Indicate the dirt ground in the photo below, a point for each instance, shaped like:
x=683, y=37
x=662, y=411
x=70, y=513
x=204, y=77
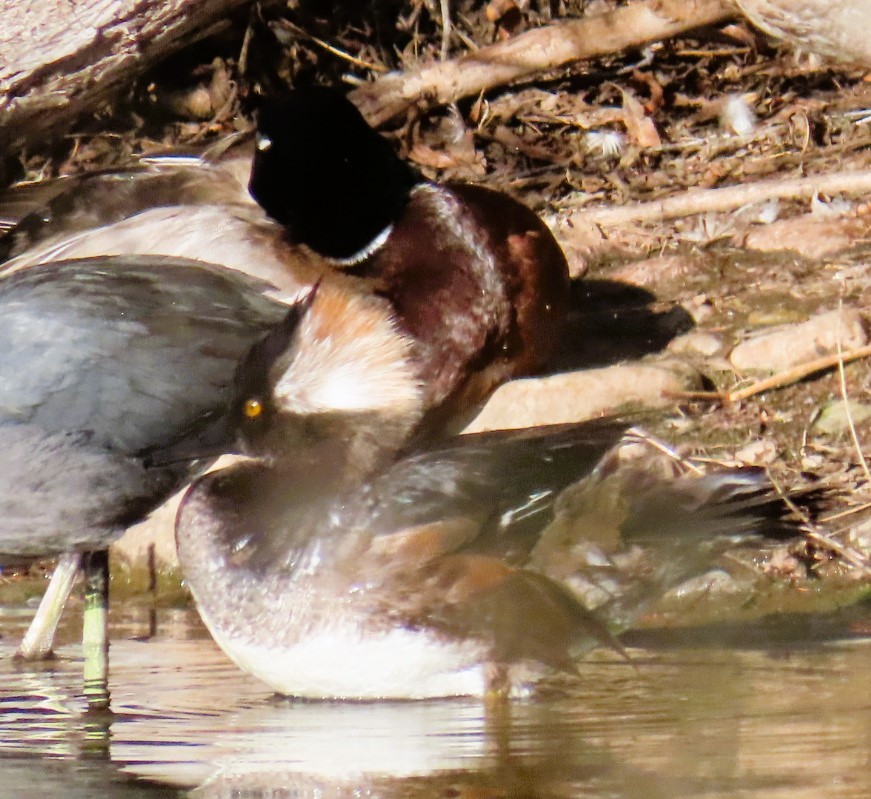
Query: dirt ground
x=725, y=108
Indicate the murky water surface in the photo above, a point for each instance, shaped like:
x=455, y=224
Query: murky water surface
x=690, y=718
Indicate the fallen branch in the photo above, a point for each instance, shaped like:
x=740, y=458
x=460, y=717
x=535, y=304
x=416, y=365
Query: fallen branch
x=702, y=201
x=535, y=52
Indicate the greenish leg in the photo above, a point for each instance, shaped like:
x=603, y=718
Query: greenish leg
x=39, y=638
x=95, y=634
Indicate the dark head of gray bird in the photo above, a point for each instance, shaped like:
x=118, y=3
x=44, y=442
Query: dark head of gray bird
x=111, y=365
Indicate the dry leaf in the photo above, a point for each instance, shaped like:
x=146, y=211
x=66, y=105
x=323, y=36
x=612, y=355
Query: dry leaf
x=639, y=126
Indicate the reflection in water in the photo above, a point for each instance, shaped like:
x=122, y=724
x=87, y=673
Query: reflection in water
x=681, y=722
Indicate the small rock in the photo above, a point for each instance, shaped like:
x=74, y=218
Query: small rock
x=783, y=563
x=716, y=582
x=194, y=104
x=812, y=463
x=585, y=394
x=807, y=235
x=834, y=419
x=585, y=242
x=696, y=343
x=795, y=344
x=757, y=453
x=653, y=271
x=860, y=537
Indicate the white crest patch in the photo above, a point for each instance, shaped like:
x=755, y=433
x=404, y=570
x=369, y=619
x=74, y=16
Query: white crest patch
x=349, y=357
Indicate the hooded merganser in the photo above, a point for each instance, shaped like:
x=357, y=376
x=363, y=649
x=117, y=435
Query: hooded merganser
x=475, y=277
x=114, y=370
x=330, y=567
x=446, y=573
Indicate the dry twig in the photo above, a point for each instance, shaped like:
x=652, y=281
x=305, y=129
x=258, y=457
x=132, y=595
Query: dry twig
x=780, y=380
x=842, y=377
x=701, y=201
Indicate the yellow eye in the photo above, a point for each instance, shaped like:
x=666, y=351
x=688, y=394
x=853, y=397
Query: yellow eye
x=252, y=408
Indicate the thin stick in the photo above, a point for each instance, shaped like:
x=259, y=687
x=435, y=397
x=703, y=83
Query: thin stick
x=446, y=28
x=701, y=201
x=666, y=449
x=330, y=48
x=841, y=514
x=842, y=377
x=780, y=380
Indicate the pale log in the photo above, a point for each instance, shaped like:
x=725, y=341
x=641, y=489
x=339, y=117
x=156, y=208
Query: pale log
x=59, y=59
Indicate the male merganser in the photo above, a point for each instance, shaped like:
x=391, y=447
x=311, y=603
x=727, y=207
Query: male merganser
x=475, y=277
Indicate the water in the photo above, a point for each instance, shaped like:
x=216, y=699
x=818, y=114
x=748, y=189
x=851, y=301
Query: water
x=688, y=718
